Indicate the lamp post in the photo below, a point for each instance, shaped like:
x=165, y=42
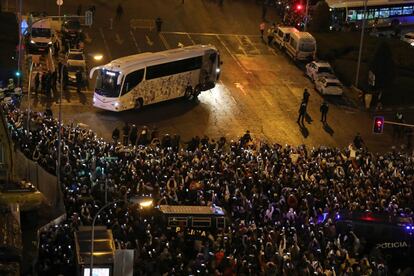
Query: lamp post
x=28, y=94
x=143, y=202
x=60, y=126
x=360, y=43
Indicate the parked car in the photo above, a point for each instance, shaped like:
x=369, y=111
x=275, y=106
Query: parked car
x=409, y=38
x=71, y=29
x=73, y=69
x=329, y=85
x=75, y=58
x=317, y=69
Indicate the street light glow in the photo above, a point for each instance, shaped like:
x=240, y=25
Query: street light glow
x=146, y=203
x=98, y=57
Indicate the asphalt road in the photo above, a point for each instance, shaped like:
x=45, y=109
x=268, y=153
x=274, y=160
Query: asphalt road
x=260, y=89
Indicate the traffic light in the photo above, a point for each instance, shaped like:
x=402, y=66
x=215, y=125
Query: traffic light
x=378, y=124
x=298, y=8
x=17, y=73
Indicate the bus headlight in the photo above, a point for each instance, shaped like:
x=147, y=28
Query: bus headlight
x=116, y=104
x=218, y=70
x=50, y=43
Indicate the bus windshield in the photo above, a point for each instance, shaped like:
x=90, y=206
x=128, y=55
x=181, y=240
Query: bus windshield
x=307, y=47
x=106, y=84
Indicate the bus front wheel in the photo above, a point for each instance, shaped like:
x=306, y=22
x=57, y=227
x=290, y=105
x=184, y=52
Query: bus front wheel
x=188, y=93
x=138, y=104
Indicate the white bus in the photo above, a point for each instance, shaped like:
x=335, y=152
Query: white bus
x=380, y=13
x=301, y=46
x=147, y=78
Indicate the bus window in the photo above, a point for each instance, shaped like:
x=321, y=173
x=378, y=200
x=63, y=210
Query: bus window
x=199, y=222
x=172, y=68
x=132, y=80
x=177, y=222
x=106, y=84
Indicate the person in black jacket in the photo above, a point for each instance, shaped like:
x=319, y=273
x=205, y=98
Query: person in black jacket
x=302, y=112
x=115, y=135
x=324, y=111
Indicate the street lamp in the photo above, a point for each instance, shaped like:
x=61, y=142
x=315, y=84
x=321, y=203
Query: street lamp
x=60, y=125
x=143, y=202
x=360, y=43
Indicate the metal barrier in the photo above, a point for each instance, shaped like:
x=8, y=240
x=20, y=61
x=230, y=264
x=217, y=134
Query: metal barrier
x=45, y=182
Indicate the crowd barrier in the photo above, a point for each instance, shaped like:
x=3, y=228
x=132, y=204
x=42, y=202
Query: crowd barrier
x=45, y=182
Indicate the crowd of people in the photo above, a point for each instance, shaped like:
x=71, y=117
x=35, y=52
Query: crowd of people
x=274, y=196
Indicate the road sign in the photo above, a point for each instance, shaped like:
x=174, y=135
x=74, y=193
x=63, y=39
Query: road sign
x=88, y=18
x=59, y=2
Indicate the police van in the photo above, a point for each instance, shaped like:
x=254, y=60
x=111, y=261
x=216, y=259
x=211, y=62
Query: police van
x=196, y=221
x=301, y=46
x=282, y=35
x=393, y=236
x=41, y=35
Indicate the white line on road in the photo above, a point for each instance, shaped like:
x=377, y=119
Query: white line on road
x=250, y=41
x=149, y=42
x=211, y=34
x=241, y=45
x=88, y=38
x=105, y=43
x=135, y=41
x=192, y=41
x=164, y=41
x=118, y=39
x=234, y=57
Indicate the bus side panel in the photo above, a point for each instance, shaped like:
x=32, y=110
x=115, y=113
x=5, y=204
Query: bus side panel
x=165, y=88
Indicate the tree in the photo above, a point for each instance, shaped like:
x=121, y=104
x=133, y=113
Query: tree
x=382, y=65
x=321, y=20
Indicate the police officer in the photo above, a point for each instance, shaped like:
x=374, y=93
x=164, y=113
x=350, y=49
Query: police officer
x=79, y=81
x=158, y=24
x=37, y=82
x=302, y=112
x=324, y=111
x=306, y=96
x=398, y=130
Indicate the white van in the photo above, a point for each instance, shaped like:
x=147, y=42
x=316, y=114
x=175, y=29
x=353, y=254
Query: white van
x=282, y=35
x=301, y=46
x=41, y=35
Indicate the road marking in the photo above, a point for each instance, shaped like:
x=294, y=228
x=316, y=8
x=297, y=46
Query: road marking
x=105, y=43
x=88, y=38
x=211, y=34
x=251, y=43
x=164, y=41
x=149, y=42
x=192, y=41
x=241, y=87
x=118, y=39
x=233, y=56
x=135, y=41
x=241, y=45
x=141, y=23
